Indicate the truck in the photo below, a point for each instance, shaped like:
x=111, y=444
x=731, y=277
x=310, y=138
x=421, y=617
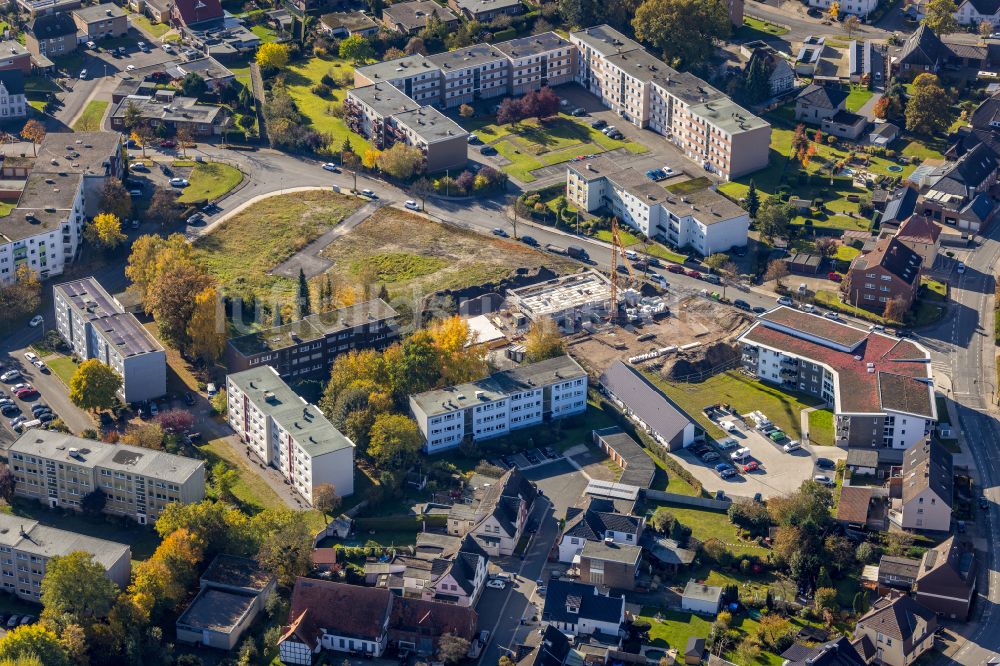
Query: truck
x=577, y=252
x=555, y=249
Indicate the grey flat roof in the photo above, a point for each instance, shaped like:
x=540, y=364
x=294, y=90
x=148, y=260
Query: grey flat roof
x=696, y=590
x=499, y=385
x=728, y=116
x=400, y=68
x=385, y=98
x=100, y=12
x=522, y=47
x=120, y=329
x=209, y=69
x=216, y=610
x=469, y=56
x=605, y=40
x=45, y=203
x=121, y=457
x=415, y=14
x=313, y=327
x=639, y=64
x=183, y=109
x=430, y=124
x=304, y=422
x=479, y=6
x=77, y=152
x=31, y=536
x=9, y=47
x=613, y=552
x=687, y=87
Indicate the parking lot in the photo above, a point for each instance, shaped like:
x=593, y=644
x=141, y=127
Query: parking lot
x=48, y=391
x=528, y=458
x=777, y=472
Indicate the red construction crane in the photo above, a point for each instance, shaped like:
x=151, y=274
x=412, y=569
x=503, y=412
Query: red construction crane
x=617, y=247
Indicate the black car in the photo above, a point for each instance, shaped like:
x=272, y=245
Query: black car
x=529, y=240
x=599, y=124
x=578, y=111
x=196, y=218
x=984, y=503
x=45, y=417
x=825, y=463
x=759, y=310
x=488, y=150
x=39, y=407
x=741, y=304
x=188, y=398
x=167, y=171
x=10, y=410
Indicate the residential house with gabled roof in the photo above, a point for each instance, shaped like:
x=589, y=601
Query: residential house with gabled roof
x=955, y=191
x=192, y=12
x=781, y=76
x=922, y=52
x=443, y=568
x=881, y=387
x=891, y=270
x=590, y=524
x=326, y=615
x=924, y=491
x=649, y=407
x=581, y=609
x=922, y=235
x=817, y=103
x=975, y=12
x=897, y=572
x=840, y=652
x=498, y=512
x=900, y=629
x=946, y=579
x=411, y=17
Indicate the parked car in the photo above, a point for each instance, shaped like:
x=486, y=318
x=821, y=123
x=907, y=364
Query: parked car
x=832, y=315
x=724, y=470
x=823, y=479
x=836, y=277
x=728, y=443
x=12, y=622
x=411, y=204
x=751, y=466
x=759, y=310
x=38, y=407
x=791, y=445
x=529, y=240
x=369, y=193
x=740, y=454
x=496, y=584
x=675, y=268
x=330, y=166
x=36, y=321
x=83, y=74
x=474, y=140
x=168, y=143
x=10, y=376
x=786, y=301
x=693, y=273
x=46, y=417
x=710, y=456
x=488, y=151
x=960, y=268
x=142, y=46
x=195, y=218
x=31, y=356
x=741, y=304
x=91, y=45
x=497, y=231
x=211, y=390
x=599, y=124
x=825, y=463
x=179, y=182
x=660, y=281
x=578, y=112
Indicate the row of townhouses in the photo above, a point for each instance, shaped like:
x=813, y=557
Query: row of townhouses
x=60, y=470
x=708, y=126
x=287, y=433
x=504, y=401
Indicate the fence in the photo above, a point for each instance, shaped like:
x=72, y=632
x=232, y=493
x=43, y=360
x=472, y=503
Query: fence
x=688, y=500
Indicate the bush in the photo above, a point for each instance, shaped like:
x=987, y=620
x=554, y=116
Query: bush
x=831, y=139
x=327, y=80
x=504, y=35
x=321, y=90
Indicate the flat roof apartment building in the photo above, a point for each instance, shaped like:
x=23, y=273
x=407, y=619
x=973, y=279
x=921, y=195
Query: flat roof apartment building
x=60, y=470
x=704, y=220
x=26, y=547
x=502, y=402
x=480, y=71
x=310, y=345
x=95, y=325
x=537, y=60
x=881, y=387
x=287, y=433
x=708, y=126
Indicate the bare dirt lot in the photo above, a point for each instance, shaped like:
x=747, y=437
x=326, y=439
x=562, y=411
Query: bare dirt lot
x=692, y=319
x=413, y=256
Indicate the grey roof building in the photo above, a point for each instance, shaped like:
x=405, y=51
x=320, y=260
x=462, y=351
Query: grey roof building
x=95, y=325
x=578, y=608
x=412, y=17
x=638, y=469
x=648, y=406
x=213, y=72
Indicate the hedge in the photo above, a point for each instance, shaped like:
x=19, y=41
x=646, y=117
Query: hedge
x=399, y=523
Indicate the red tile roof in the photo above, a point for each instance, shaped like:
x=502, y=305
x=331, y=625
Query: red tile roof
x=919, y=228
x=348, y=610
x=892, y=385
x=196, y=11
x=431, y=618
x=853, y=504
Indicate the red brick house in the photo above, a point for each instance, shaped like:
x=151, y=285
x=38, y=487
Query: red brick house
x=193, y=12
x=891, y=270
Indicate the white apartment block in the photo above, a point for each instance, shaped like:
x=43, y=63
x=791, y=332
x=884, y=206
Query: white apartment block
x=474, y=72
x=856, y=7
x=537, y=60
x=95, y=325
x=881, y=387
x=26, y=547
x=60, y=470
x=708, y=126
x=289, y=434
x=500, y=403
x=703, y=221
x=416, y=76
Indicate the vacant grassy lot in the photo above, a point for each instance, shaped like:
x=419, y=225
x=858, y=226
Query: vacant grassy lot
x=710, y=525
x=533, y=144
x=244, y=248
x=756, y=29
x=90, y=119
x=209, y=181
x=857, y=98
x=674, y=628
x=63, y=367
x=414, y=255
x=689, y=186
x=821, y=427
x=141, y=21
x=301, y=77
x=744, y=394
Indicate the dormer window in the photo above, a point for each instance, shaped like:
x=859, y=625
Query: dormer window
x=575, y=610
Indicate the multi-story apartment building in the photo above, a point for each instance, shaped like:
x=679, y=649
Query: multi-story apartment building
x=51, y=35
x=97, y=156
x=383, y=114
x=60, y=470
x=856, y=7
x=100, y=21
x=415, y=76
x=881, y=387
x=703, y=221
x=13, y=102
x=485, y=11
x=890, y=271
x=308, y=346
x=288, y=433
x=95, y=325
x=709, y=127
x=26, y=547
x=539, y=60
x=480, y=71
x=502, y=402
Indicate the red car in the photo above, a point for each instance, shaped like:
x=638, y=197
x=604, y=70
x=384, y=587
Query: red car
x=167, y=143
x=674, y=268
x=836, y=277
x=27, y=394
x=693, y=273
x=751, y=466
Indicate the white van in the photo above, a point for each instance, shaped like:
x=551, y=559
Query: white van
x=21, y=427
x=740, y=455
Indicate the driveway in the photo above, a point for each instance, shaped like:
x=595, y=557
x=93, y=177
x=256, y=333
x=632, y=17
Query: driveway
x=780, y=473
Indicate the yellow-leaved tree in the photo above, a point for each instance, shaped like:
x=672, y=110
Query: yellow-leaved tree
x=272, y=55
x=94, y=386
x=207, y=328
x=105, y=231
x=370, y=158
x=460, y=359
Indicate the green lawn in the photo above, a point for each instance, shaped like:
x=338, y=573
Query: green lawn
x=754, y=29
x=264, y=33
x=90, y=119
x=63, y=367
x=846, y=253
x=707, y=524
x=744, y=394
x=155, y=30
x=533, y=144
x=6, y=207
x=921, y=151
x=209, y=181
x=821, y=427
x=674, y=628
x=859, y=95
x=242, y=251
x=664, y=252
x=300, y=77
x=39, y=84
x=935, y=290
x=627, y=239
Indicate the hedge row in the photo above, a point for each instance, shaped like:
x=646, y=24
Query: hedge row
x=399, y=523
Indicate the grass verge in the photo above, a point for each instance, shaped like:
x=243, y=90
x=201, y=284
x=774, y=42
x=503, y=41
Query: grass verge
x=821, y=427
x=90, y=119
x=63, y=367
x=209, y=181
